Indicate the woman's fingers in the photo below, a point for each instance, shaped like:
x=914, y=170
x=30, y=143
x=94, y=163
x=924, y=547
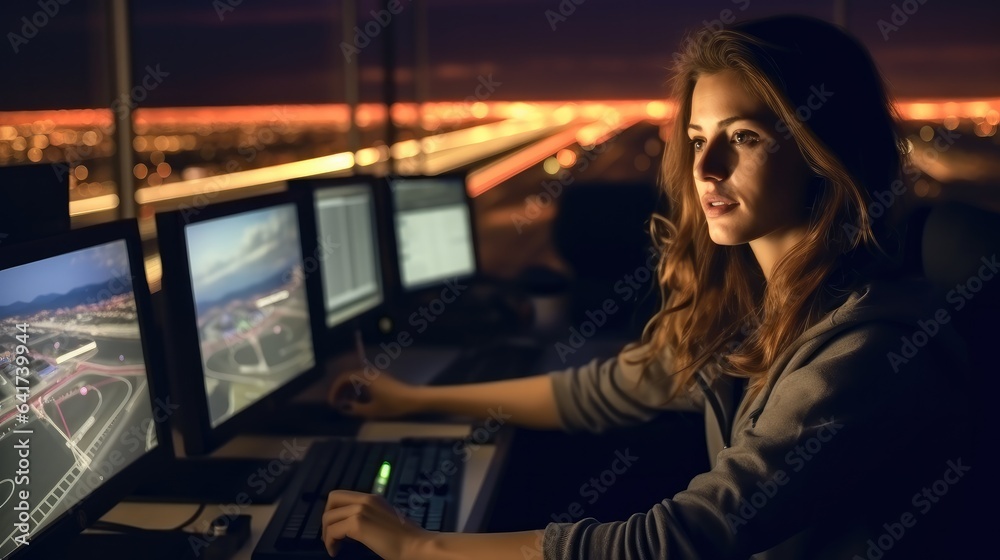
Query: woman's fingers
x=346, y=501
x=369, y=519
x=342, y=506
x=336, y=532
x=339, y=388
x=345, y=498
x=336, y=514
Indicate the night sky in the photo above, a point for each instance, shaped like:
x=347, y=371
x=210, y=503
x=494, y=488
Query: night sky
x=264, y=52
x=61, y=274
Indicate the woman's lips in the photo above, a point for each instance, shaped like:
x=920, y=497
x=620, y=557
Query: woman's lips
x=716, y=205
x=719, y=209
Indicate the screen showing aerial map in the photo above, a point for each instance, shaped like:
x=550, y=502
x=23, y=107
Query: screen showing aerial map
x=250, y=300
x=75, y=406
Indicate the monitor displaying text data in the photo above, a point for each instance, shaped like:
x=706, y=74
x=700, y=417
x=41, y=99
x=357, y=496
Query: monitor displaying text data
x=75, y=396
x=348, y=245
x=250, y=300
x=434, y=237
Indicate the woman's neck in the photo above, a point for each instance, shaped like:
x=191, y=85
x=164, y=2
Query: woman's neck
x=769, y=249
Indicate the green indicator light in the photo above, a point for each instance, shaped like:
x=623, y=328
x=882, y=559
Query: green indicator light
x=382, y=480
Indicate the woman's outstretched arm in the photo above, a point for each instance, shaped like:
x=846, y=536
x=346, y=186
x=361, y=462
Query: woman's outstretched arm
x=527, y=402
x=594, y=397
x=835, y=441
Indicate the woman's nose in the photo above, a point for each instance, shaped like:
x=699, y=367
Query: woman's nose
x=712, y=165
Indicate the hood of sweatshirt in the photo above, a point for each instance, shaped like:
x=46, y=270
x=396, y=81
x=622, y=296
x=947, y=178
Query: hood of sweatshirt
x=923, y=310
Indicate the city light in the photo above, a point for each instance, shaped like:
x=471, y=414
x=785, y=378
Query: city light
x=226, y=148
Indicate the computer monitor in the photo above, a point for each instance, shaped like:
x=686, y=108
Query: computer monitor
x=434, y=232
x=36, y=201
x=347, y=245
x=237, y=312
x=82, y=404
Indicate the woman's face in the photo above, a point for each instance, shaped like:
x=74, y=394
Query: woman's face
x=751, y=182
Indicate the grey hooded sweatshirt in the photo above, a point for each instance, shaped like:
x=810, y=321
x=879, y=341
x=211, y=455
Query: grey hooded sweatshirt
x=856, y=419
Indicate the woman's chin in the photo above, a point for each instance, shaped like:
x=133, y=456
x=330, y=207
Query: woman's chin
x=726, y=238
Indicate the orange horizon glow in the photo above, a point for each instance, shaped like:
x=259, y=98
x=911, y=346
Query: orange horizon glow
x=410, y=113
x=590, y=122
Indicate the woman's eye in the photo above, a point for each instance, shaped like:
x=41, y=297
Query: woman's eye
x=697, y=144
x=744, y=137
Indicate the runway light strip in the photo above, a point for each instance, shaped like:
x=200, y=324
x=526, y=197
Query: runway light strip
x=93, y=204
x=334, y=163
x=485, y=178
x=81, y=350
x=339, y=163
x=273, y=298
x=474, y=153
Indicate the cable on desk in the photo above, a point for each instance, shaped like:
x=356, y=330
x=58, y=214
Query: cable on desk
x=194, y=517
x=122, y=528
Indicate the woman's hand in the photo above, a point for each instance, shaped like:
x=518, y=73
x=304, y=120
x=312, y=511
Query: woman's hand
x=372, y=394
x=369, y=519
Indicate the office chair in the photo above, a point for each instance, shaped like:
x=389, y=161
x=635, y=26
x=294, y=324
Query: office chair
x=956, y=246
x=601, y=230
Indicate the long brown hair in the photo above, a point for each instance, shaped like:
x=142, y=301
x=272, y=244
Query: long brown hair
x=831, y=100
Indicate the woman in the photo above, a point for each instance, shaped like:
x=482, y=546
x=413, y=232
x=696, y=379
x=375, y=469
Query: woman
x=783, y=320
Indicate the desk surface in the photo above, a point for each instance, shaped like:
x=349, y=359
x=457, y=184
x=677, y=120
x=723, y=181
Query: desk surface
x=159, y=516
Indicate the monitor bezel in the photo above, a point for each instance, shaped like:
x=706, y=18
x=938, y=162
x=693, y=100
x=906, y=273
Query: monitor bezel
x=338, y=337
x=400, y=291
x=103, y=498
x=180, y=324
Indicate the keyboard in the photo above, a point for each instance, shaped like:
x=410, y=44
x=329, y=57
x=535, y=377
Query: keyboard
x=493, y=362
x=421, y=477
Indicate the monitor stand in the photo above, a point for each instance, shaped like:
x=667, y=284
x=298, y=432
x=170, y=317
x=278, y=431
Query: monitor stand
x=215, y=480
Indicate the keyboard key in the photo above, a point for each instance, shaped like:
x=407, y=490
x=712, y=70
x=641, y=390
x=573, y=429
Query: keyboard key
x=314, y=526
x=409, y=476
x=373, y=461
x=392, y=455
x=296, y=519
x=318, y=468
x=336, y=472
x=428, y=462
x=296, y=528
x=437, y=506
x=350, y=479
